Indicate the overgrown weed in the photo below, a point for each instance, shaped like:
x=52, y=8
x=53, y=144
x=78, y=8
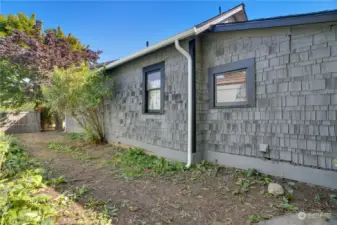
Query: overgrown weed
x=258, y=218
x=245, y=179
x=21, y=182
x=135, y=163
x=77, y=136
x=22, y=197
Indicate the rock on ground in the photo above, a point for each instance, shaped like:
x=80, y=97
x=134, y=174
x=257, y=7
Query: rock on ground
x=294, y=220
x=275, y=189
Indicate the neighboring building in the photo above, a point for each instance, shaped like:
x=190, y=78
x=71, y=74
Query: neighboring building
x=263, y=95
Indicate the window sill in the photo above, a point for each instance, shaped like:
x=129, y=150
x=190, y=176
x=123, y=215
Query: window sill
x=232, y=105
x=154, y=113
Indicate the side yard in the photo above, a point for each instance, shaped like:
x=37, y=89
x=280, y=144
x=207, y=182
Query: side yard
x=129, y=187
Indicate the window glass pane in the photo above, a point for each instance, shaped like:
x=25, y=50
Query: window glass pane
x=231, y=87
x=153, y=80
x=153, y=99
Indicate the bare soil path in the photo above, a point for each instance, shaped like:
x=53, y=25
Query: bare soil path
x=181, y=199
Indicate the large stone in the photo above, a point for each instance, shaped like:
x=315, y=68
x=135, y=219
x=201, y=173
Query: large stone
x=275, y=189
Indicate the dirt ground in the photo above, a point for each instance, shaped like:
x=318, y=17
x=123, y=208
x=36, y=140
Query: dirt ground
x=180, y=199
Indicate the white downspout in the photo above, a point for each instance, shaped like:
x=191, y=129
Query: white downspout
x=189, y=102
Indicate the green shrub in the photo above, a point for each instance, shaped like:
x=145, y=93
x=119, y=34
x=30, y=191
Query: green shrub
x=12, y=157
x=20, y=183
x=79, y=91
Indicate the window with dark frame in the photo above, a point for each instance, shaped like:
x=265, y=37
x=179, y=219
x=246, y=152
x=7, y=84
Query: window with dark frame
x=233, y=84
x=230, y=87
x=153, y=86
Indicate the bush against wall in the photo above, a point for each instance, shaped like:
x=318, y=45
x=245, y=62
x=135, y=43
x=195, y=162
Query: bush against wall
x=79, y=92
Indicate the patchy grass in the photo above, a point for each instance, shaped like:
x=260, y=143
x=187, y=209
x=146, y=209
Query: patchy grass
x=89, y=215
x=77, y=136
x=96, y=212
x=165, y=192
x=76, y=153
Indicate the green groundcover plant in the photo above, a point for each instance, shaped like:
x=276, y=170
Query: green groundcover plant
x=22, y=200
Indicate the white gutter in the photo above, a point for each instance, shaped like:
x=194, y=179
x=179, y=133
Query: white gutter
x=188, y=33
x=151, y=48
x=175, y=39
x=189, y=102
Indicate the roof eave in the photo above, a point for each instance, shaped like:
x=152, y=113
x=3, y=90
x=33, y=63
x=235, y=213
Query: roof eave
x=188, y=33
x=278, y=22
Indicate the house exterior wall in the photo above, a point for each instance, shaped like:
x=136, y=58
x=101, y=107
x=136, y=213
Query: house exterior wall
x=296, y=96
x=71, y=125
x=164, y=134
x=294, y=113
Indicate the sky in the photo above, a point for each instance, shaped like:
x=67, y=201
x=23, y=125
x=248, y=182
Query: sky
x=119, y=28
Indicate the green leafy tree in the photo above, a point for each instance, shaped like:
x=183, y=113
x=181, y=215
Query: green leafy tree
x=79, y=92
x=32, y=27
x=28, y=56
x=72, y=40
x=12, y=23
x=18, y=85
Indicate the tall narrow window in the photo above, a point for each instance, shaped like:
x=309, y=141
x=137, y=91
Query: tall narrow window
x=233, y=84
x=153, y=84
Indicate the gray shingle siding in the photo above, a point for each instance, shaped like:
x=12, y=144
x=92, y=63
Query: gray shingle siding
x=296, y=101
x=295, y=108
x=123, y=113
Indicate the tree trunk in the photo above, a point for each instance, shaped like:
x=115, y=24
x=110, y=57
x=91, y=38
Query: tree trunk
x=58, y=122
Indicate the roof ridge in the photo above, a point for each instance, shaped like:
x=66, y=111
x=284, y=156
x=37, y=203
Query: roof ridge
x=219, y=15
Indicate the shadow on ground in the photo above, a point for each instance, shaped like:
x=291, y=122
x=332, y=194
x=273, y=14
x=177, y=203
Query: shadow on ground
x=185, y=198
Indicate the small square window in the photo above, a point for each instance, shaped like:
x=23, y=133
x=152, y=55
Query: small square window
x=153, y=81
x=233, y=85
x=230, y=87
